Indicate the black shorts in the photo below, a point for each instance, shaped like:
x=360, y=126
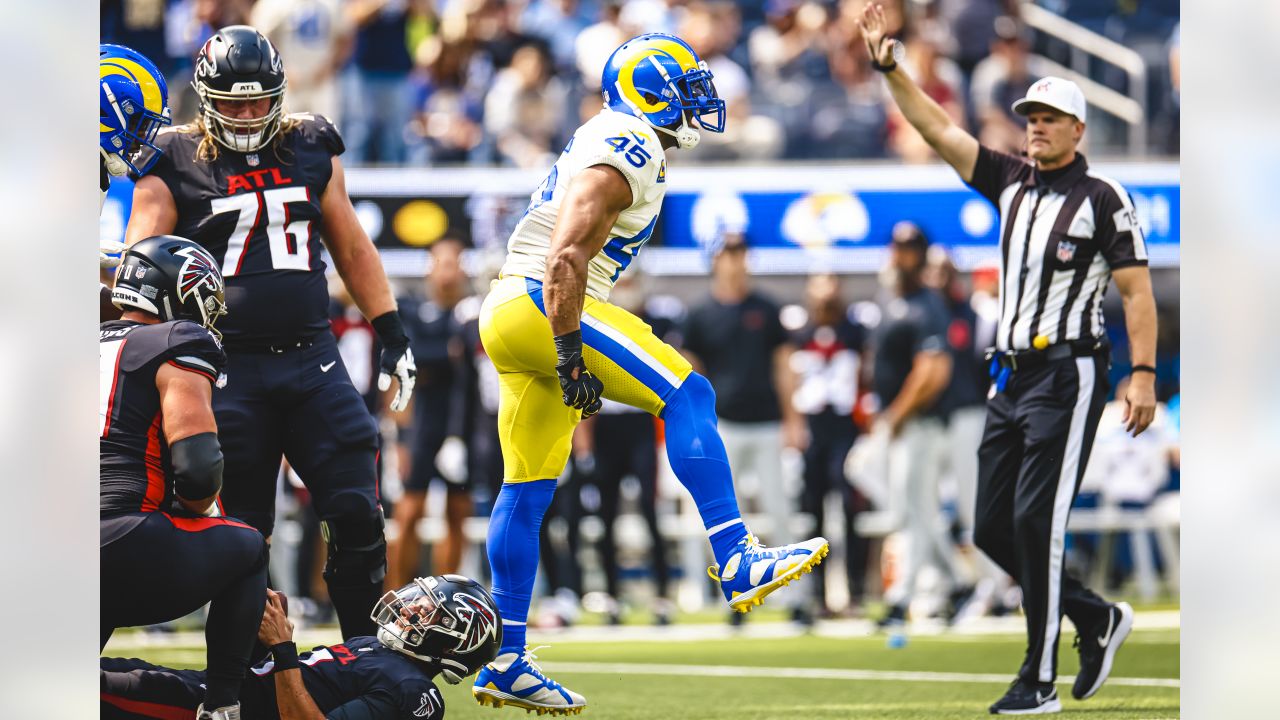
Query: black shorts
x=169, y=566
x=299, y=404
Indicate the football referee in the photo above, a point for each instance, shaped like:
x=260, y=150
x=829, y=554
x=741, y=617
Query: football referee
x=1064, y=233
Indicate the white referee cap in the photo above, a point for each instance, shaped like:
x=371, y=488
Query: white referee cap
x=1056, y=93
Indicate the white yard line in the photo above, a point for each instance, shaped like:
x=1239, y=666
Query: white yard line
x=734, y=671
x=1014, y=625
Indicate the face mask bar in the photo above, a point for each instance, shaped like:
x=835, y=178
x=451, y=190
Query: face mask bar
x=696, y=94
x=247, y=135
x=137, y=150
x=408, y=617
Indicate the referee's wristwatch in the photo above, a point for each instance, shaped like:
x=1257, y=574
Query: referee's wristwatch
x=899, y=54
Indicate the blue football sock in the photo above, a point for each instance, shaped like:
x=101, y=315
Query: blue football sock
x=513, y=553
x=698, y=458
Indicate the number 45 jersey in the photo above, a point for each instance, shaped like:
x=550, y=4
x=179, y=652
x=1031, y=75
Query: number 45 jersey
x=624, y=143
x=258, y=214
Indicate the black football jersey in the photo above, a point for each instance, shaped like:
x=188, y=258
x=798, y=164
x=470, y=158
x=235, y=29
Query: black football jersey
x=259, y=215
x=133, y=455
x=362, y=667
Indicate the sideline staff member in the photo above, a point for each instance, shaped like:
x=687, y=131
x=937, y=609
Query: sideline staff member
x=1064, y=232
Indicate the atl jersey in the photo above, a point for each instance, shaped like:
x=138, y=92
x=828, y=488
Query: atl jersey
x=335, y=675
x=259, y=215
x=133, y=454
x=624, y=143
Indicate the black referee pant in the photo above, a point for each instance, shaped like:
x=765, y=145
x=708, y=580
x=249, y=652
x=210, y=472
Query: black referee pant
x=1034, y=450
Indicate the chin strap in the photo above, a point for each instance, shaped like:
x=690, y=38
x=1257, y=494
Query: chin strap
x=686, y=137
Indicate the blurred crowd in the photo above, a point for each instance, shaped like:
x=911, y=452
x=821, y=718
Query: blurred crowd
x=837, y=418
x=417, y=82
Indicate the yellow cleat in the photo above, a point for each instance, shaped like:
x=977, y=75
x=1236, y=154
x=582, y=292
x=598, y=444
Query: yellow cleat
x=754, y=571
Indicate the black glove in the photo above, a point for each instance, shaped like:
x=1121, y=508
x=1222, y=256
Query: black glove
x=581, y=389
x=397, y=358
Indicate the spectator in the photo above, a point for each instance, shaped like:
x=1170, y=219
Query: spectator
x=998, y=81
x=827, y=365
x=972, y=27
x=940, y=79
x=712, y=29
x=558, y=23
x=791, y=45
x=595, y=43
x=735, y=339
x=524, y=110
x=912, y=369
x=652, y=16
x=378, y=111
x=847, y=117
x=314, y=38
x=966, y=413
x=446, y=119
x=442, y=407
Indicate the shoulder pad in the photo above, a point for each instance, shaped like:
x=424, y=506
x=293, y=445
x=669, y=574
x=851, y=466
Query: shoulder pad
x=196, y=346
x=320, y=130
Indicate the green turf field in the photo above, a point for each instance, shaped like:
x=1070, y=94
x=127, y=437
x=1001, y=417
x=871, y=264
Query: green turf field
x=933, y=677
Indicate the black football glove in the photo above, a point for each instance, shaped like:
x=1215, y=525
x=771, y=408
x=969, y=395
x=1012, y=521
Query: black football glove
x=582, y=390
x=397, y=358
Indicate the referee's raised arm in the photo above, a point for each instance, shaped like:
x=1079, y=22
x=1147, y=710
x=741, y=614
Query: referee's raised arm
x=950, y=141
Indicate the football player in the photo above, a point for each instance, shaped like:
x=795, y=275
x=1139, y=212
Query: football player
x=133, y=102
x=446, y=626
x=559, y=346
x=165, y=552
x=256, y=187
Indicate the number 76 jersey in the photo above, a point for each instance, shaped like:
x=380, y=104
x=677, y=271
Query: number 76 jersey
x=630, y=146
x=259, y=215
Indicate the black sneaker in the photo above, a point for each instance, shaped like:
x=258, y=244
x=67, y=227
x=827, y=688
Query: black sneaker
x=1028, y=698
x=895, y=617
x=1098, y=646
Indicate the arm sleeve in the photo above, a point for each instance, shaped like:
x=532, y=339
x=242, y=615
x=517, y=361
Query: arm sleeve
x=1120, y=238
x=994, y=171
x=376, y=706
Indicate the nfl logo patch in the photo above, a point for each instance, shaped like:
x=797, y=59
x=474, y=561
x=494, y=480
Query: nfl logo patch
x=252, y=159
x=1066, y=251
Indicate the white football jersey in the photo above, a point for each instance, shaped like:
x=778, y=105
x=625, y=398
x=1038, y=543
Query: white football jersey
x=620, y=141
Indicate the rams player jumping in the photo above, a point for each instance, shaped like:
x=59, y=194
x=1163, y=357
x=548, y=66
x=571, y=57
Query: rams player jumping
x=559, y=346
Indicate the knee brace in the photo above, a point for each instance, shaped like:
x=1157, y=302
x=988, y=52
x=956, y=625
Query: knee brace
x=357, y=549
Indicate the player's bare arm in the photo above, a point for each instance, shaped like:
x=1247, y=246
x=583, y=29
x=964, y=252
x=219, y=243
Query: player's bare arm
x=187, y=412
x=1134, y=283
x=354, y=256
x=360, y=267
x=598, y=195
x=154, y=211
x=957, y=147
x=930, y=373
x=276, y=632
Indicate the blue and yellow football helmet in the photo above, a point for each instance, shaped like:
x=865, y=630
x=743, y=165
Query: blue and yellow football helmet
x=134, y=106
x=661, y=80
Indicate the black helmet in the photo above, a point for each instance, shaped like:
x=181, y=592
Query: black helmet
x=448, y=621
x=173, y=278
x=240, y=63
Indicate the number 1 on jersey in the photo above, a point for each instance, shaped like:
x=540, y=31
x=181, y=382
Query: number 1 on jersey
x=285, y=255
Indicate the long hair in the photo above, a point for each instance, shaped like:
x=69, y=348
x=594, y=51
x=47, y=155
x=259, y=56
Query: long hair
x=207, y=150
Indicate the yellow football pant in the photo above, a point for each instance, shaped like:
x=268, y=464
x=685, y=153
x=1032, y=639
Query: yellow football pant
x=535, y=427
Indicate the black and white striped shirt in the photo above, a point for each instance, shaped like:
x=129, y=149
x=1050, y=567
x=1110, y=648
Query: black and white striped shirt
x=1061, y=235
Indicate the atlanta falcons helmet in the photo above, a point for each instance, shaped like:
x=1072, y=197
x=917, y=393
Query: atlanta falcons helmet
x=173, y=278
x=448, y=621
